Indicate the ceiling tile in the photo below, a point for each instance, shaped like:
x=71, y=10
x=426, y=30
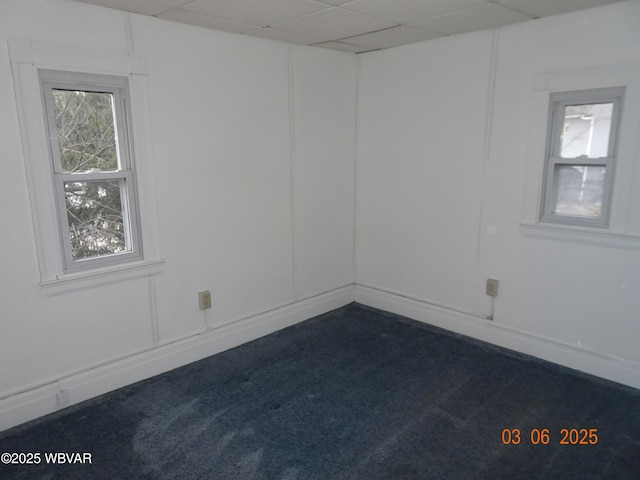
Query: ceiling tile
x=334, y=2
x=370, y=22
x=290, y=37
x=543, y=8
x=404, y=11
x=135, y=6
x=170, y=3
x=343, y=47
x=392, y=37
x=471, y=19
x=257, y=12
x=201, y=20
x=334, y=23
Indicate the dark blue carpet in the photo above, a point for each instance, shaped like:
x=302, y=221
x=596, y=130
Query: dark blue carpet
x=352, y=394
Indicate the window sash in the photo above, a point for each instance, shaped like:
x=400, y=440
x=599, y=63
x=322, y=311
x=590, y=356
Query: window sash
x=551, y=191
x=129, y=218
x=557, y=121
x=125, y=175
x=116, y=86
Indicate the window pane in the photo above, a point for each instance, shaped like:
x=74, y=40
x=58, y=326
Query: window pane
x=85, y=123
x=94, y=212
x=580, y=190
x=586, y=130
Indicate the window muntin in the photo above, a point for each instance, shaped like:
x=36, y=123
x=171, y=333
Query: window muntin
x=581, y=157
x=87, y=119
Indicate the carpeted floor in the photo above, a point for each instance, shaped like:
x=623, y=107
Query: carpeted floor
x=352, y=394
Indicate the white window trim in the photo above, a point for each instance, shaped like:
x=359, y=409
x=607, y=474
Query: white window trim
x=623, y=228
x=27, y=59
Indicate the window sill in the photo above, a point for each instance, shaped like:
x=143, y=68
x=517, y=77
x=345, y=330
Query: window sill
x=74, y=282
x=590, y=236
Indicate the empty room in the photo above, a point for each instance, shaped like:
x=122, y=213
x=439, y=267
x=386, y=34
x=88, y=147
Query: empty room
x=320, y=239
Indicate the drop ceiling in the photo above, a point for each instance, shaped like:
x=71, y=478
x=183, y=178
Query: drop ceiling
x=349, y=25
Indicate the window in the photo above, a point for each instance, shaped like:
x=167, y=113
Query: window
x=88, y=121
x=582, y=181
x=581, y=157
x=86, y=140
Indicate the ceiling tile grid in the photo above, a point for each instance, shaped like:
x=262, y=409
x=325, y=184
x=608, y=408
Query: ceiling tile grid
x=391, y=37
x=255, y=12
x=545, y=8
x=489, y=15
x=349, y=25
x=201, y=20
x=334, y=23
x=405, y=11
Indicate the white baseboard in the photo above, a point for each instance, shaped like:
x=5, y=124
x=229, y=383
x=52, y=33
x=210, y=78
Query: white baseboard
x=41, y=400
x=38, y=401
x=621, y=370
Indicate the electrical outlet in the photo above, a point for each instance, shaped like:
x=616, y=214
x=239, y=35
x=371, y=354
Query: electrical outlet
x=62, y=397
x=492, y=287
x=204, y=300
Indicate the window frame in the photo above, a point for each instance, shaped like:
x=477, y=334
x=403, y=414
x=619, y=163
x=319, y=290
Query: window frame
x=558, y=102
x=27, y=59
x=118, y=87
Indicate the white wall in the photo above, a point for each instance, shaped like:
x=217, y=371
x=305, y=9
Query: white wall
x=421, y=128
x=255, y=154
x=252, y=144
x=444, y=167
